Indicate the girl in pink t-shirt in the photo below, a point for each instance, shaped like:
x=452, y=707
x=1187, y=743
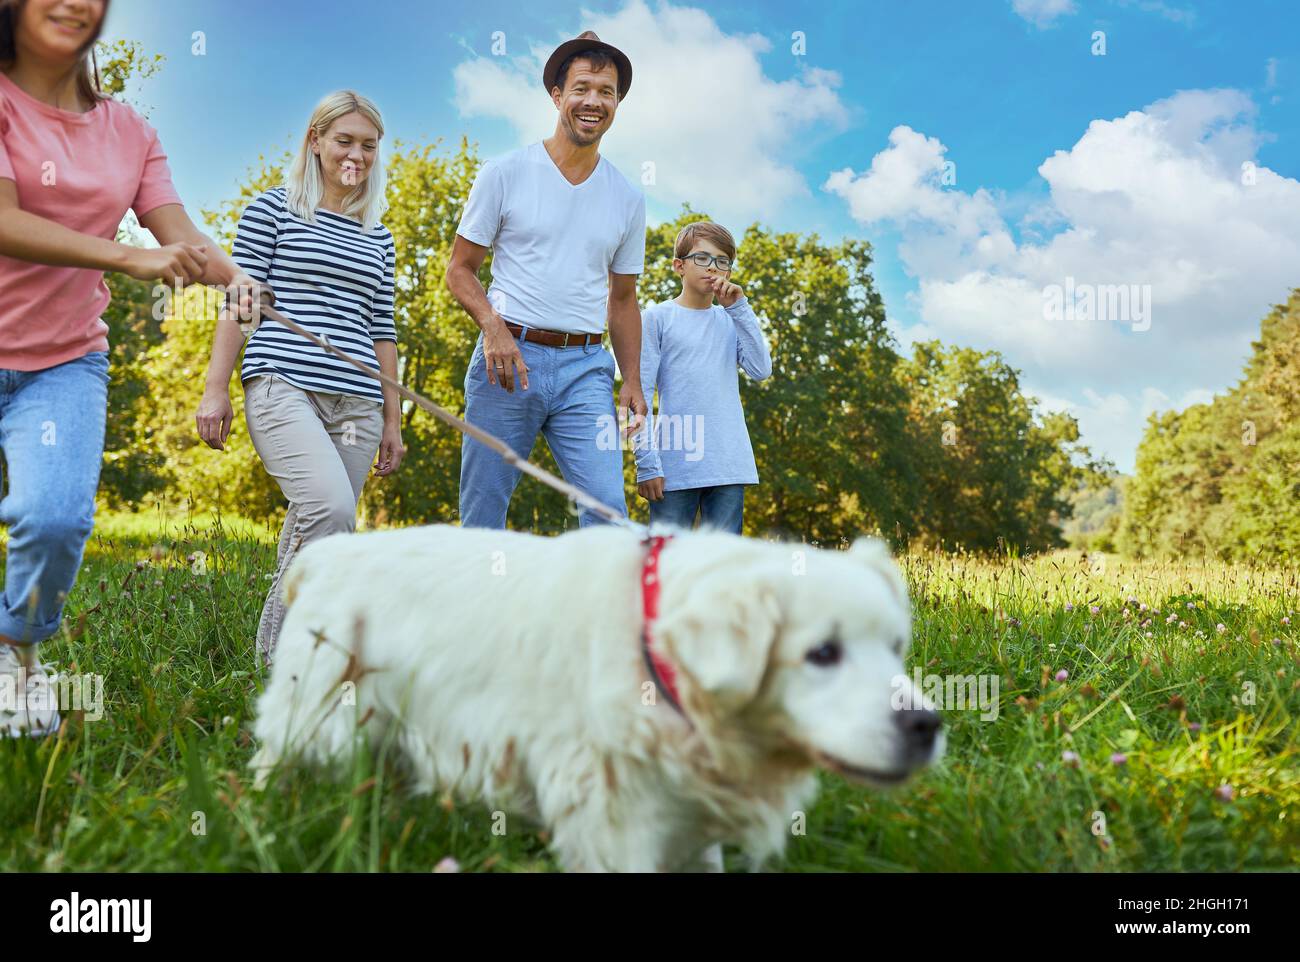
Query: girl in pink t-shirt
x=72, y=162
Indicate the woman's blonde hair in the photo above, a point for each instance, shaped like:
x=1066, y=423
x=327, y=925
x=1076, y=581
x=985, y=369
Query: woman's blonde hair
x=306, y=186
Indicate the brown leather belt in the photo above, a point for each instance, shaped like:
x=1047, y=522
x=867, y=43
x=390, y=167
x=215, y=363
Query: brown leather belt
x=553, y=338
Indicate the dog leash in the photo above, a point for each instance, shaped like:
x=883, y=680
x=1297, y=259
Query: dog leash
x=511, y=457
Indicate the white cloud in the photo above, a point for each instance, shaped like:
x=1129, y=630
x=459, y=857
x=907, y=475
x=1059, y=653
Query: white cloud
x=720, y=132
x=904, y=183
x=1155, y=198
x=1041, y=13
x=1044, y=13
x=1187, y=17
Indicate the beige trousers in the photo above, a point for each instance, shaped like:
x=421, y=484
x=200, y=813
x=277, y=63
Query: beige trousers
x=319, y=448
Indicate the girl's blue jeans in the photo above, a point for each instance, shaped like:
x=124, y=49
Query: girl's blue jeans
x=52, y=439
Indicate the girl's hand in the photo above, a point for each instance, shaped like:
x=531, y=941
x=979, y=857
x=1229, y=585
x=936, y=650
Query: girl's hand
x=175, y=263
x=726, y=292
x=214, y=418
x=391, y=451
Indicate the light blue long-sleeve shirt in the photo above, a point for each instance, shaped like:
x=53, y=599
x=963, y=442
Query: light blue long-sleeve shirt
x=698, y=439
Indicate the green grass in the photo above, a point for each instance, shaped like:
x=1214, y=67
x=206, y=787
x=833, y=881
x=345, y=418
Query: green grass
x=174, y=644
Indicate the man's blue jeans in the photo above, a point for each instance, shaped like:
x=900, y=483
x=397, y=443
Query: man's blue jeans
x=570, y=399
x=721, y=507
x=52, y=437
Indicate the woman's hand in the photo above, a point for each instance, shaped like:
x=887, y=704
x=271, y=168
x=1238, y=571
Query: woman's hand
x=244, y=300
x=391, y=450
x=181, y=263
x=214, y=417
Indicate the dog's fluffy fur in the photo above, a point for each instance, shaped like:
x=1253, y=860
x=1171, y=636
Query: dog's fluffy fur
x=507, y=668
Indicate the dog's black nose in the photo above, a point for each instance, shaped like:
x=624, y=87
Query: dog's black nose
x=919, y=727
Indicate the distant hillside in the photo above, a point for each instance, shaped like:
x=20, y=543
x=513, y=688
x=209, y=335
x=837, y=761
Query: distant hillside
x=1097, y=514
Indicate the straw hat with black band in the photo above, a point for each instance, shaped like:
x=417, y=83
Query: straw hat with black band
x=584, y=42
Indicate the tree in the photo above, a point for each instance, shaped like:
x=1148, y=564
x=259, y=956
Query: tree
x=129, y=470
x=1221, y=478
x=991, y=468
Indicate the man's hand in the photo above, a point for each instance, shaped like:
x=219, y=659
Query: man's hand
x=629, y=397
x=726, y=292
x=652, y=489
x=504, y=360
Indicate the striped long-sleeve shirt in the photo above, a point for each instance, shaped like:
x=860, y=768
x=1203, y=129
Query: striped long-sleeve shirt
x=330, y=277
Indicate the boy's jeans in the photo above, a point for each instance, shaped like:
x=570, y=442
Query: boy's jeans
x=721, y=507
x=570, y=399
x=52, y=436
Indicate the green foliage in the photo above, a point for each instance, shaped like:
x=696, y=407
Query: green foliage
x=991, y=469
x=427, y=187
x=174, y=365
x=122, y=61
x=129, y=471
x=1223, y=478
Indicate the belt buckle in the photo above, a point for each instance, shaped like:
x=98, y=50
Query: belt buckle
x=566, y=340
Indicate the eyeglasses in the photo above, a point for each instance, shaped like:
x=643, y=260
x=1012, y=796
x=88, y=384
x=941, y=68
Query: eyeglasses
x=702, y=259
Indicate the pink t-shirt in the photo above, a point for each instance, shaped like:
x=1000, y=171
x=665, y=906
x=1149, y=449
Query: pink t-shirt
x=82, y=171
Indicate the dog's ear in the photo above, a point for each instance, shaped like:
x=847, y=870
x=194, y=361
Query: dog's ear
x=721, y=636
x=874, y=553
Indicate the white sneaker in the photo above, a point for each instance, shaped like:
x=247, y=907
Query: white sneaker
x=27, y=695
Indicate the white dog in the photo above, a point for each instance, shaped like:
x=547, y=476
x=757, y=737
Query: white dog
x=509, y=669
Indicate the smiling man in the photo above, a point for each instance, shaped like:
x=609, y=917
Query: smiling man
x=567, y=232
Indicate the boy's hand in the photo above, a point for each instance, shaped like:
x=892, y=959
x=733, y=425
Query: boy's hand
x=726, y=292
x=652, y=490
x=631, y=408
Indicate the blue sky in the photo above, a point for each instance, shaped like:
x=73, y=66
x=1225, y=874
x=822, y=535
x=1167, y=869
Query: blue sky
x=1144, y=185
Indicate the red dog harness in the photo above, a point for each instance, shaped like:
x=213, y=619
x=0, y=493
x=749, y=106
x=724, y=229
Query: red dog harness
x=661, y=672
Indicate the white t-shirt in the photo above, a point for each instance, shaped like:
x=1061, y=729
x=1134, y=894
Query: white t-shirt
x=554, y=243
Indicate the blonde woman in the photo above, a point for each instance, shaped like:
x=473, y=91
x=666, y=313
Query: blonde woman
x=316, y=422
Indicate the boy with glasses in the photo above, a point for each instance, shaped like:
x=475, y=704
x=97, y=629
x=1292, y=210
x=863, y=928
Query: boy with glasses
x=694, y=456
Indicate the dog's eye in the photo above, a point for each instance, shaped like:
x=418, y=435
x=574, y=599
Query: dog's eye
x=828, y=654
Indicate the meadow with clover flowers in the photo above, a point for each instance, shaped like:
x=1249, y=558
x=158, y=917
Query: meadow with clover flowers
x=1146, y=721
